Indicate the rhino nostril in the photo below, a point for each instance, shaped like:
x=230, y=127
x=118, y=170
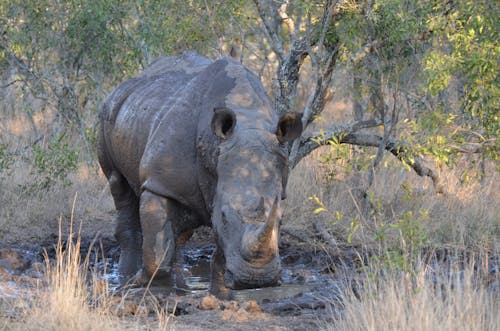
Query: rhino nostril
x=255, y=209
x=223, y=217
x=261, y=208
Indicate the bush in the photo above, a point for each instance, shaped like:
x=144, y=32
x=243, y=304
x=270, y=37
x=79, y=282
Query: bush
x=53, y=164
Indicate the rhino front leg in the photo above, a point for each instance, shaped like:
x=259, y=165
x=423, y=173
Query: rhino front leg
x=217, y=283
x=158, y=245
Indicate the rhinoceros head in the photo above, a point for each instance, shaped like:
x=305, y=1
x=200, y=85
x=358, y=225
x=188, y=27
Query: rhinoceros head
x=252, y=171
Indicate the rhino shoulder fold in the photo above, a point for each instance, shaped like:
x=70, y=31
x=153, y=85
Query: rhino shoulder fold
x=115, y=100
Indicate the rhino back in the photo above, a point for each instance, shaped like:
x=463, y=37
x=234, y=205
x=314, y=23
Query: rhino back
x=134, y=109
x=179, y=158
x=188, y=62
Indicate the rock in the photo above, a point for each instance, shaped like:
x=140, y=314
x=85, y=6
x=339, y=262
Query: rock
x=239, y=316
x=252, y=307
x=122, y=307
x=231, y=305
x=210, y=302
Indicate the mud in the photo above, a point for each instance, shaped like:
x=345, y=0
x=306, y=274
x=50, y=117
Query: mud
x=308, y=286
x=308, y=298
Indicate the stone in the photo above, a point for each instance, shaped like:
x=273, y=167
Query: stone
x=210, y=302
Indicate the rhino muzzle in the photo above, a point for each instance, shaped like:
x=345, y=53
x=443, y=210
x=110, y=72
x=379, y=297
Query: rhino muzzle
x=258, y=262
x=259, y=244
x=245, y=275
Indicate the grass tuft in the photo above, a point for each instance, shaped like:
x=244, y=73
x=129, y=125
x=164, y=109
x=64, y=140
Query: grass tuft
x=72, y=298
x=421, y=302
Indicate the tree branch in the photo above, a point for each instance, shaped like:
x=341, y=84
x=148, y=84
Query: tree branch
x=473, y=148
x=288, y=75
x=345, y=134
x=309, y=142
x=271, y=18
x=323, y=62
x=11, y=83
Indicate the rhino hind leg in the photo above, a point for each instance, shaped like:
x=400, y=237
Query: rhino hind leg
x=157, y=214
x=128, y=228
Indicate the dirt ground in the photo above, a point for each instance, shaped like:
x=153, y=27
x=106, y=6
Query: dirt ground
x=303, y=301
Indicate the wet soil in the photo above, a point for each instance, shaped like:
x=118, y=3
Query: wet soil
x=308, y=298
x=309, y=284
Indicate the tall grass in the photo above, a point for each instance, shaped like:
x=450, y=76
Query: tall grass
x=466, y=216
x=404, y=221
x=398, y=301
x=64, y=303
x=74, y=298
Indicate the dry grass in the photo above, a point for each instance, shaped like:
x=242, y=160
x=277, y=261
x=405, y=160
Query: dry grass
x=465, y=220
x=467, y=216
x=28, y=214
x=64, y=304
x=454, y=302
x=71, y=298
x=31, y=215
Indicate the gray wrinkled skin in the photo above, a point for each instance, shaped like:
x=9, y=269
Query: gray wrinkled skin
x=192, y=142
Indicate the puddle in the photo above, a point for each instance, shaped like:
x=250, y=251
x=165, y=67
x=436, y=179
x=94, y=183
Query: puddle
x=191, y=276
x=301, y=275
x=109, y=272
x=192, y=270
x=9, y=290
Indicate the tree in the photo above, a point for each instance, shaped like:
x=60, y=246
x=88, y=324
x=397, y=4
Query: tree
x=320, y=31
x=401, y=56
x=468, y=32
x=384, y=40
x=66, y=54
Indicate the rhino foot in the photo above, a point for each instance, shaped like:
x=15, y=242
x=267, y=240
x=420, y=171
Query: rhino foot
x=143, y=279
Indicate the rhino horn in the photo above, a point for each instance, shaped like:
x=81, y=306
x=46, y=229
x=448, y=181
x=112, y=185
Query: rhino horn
x=262, y=243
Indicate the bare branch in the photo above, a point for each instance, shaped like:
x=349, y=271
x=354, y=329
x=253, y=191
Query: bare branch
x=270, y=17
x=325, y=24
x=288, y=76
x=11, y=83
x=309, y=142
x=472, y=148
x=293, y=25
x=346, y=134
x=323, y=62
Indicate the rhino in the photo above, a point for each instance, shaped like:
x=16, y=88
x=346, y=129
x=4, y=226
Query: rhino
x=192, y=142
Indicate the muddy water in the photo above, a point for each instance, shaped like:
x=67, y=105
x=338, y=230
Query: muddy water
x=301, y=285
x=305, y=283
x=192, y=270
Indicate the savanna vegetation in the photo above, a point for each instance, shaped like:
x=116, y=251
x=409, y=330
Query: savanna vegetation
x=399, y=161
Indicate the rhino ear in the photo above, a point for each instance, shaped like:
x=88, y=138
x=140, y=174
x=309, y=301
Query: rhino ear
x=289, y=127
x=223, y=122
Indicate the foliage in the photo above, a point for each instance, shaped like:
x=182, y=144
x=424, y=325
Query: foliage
x=461, y=71
x=470, y=30
x=70, y=53
x=438, y=62
x=6, y=160
x=53, y=164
